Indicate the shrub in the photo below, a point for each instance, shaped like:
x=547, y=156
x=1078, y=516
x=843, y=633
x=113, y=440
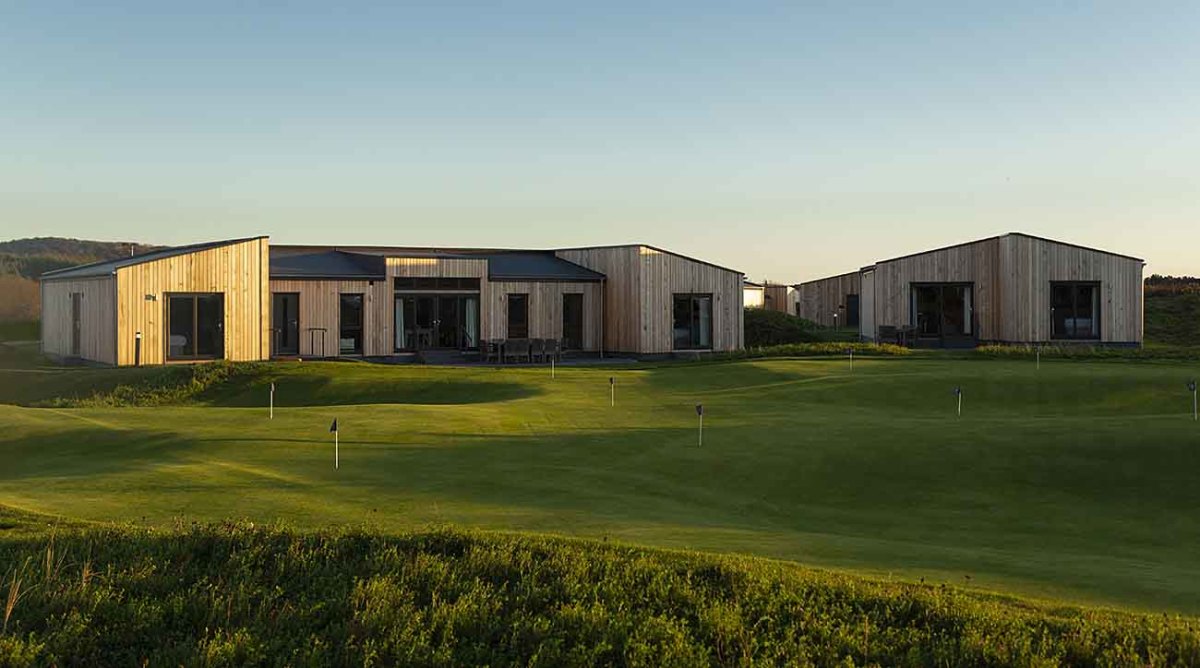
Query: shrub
x=235, y=594
x=764, y=327
x=170, y=385
x=1085, y=352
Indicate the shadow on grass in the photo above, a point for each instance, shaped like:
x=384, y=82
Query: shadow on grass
x=328, y=389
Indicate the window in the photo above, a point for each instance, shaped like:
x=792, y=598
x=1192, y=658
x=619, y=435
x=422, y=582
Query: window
x=692, y=315
x=572, y=321
x=518, y=316
x=1074, y=310
x=350, y=331
x=943, y=310
x=195, y=326
x=285, y=313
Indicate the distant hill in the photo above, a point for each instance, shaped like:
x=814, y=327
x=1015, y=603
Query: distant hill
x=22, y=261
x=1173, y=310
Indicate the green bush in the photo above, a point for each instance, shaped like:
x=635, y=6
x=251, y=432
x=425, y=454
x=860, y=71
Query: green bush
x=166, y=385
x=823, y=348
x=764, y=327
x=1088, y=352
x=237, y=594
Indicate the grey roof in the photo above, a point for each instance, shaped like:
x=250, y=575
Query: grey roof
x=537, y=266
x=329, y=264
x=109, y=267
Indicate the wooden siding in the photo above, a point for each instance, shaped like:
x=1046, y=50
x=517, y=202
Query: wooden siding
x=545, y=309
x=1028, y=266
x=1011, y=276
x=780, y=298
x=664, y=275
x=98, y=318
x=820, y=299
x=621, y=315
x=976, y=263
x=320, y=307
x=866, y=307
x=238, y=271
x=641, y=282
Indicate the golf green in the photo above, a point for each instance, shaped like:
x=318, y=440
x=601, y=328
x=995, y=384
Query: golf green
x=1077, y=480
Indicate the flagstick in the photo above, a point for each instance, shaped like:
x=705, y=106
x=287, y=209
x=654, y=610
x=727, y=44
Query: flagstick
x=1195, y=408
x=272, y=401
x=1039, y=358
x=701, y=443
x=612, y=395
x=960, y=404
x=336, y=461
x=852, y=360
x=551, y=368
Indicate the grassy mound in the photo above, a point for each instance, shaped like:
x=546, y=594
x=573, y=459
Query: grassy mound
x=236, y=594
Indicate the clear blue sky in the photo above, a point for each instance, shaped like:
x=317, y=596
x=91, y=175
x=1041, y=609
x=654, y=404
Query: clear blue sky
x=787, y=140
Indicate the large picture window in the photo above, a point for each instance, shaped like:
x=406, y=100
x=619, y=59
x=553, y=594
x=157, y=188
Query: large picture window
x=350, y=328
x=692, y=316
x=943, y=311
x=518, y=316
x=195, y=326
x=1074, y=310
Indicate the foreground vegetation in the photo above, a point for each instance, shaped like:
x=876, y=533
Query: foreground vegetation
x=236, y=594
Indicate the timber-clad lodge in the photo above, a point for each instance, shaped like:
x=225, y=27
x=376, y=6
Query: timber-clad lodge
x=246, y=299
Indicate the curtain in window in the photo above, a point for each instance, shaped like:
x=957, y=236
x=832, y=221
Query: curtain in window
x=401, y=342
x=472, y=320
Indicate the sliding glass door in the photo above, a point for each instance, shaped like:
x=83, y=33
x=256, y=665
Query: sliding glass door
x=195, y=326
x=436, y=321
x=1075, y=310
x=943, y=313
x=692, y=322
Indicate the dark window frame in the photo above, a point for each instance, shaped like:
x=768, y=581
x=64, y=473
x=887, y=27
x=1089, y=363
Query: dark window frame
x=194, y=298
x=361, y=327
x=1097, y=293
x=970, y=320
x=694, y=332
x=523, y=331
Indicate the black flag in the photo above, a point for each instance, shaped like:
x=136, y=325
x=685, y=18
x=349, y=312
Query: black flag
x=612, y=381
x=333, y=427
x=1192, y=385
x=700, y=409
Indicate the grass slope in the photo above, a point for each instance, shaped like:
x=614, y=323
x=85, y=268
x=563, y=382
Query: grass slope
x=1076, y=481
x=237, y=594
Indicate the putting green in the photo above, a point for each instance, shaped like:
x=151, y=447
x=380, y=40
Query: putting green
x=1075, y=481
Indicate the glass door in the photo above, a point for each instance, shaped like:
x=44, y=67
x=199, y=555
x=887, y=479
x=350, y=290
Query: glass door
x=285, y=312
x=195, y=326
x=572, y=324
x=350, y=325
x=943, y=314
x=447, y=329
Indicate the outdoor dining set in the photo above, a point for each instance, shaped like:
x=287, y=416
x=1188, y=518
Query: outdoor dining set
x=503, y=351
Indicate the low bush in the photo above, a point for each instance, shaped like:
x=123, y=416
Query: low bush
x=1088, y=352
x=764, y=327
x=824, y=348
x=162, y=386
x=237, y=594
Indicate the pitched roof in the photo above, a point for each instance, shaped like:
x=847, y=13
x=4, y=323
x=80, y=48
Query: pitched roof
x=329, y=264
x=109, y=267
x=1011, y=234
x=537, y=266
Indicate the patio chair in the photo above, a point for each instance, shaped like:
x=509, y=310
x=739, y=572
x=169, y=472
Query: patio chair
x=537, y=350
x=888, y=334
x=516, y=349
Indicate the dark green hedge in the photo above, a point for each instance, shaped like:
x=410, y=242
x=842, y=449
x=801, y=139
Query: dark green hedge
x=773, y=328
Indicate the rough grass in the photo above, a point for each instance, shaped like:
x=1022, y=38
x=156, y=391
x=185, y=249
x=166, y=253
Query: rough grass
x=1173, y=317
x=1072, y=482
x=236, y=594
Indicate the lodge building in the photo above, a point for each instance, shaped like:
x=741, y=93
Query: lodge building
x=246, y=299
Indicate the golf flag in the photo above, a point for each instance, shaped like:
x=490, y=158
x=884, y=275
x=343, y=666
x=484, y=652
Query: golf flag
x=333, y=427
x=336, y=455
x=700, y=410
x=958, y=393
x=1191, y=386
x=700, y=434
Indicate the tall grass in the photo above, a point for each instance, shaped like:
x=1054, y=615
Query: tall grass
x=166, y=385
x=237, y=594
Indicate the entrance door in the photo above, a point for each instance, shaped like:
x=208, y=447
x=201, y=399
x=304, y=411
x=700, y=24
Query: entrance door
x=572, y=324
x=195, y=326
x=852, y=310
x=76, y=323
x=286, y=315
x=447, y=328
x=350, y=325
x=943, y=314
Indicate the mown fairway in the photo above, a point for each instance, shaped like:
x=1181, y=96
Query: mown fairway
x=1080, y=481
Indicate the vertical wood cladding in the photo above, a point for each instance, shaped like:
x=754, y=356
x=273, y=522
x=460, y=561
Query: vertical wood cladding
x=98, y=318
x=545, y=309
x=237, y=270
x=641, y=282
x=819, y=300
